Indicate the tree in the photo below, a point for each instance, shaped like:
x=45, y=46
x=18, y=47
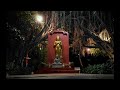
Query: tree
x=31, y=33
x=89, y=27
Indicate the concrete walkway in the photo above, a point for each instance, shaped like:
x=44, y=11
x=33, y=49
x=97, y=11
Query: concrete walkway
x=62, y=76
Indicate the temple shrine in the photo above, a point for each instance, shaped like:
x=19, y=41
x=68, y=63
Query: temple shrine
x=58, y=53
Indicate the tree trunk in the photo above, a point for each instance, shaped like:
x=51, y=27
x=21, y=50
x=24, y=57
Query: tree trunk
x=80, y=54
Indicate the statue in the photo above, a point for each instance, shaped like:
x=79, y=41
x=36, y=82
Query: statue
x=58, y=47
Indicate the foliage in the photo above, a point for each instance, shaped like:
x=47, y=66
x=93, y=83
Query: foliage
x=16, y=42
x=43, y=54
x=13, y=69
x=105, y=68
x=21, y=34
x=27, y=23
x=27, y=16
x=10, y=66
x=96, y=52
x=38, y=57
x=91, y=59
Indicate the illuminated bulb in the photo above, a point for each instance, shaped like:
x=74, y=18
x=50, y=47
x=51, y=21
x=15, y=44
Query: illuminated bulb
x=88, y=49
x=39, y=18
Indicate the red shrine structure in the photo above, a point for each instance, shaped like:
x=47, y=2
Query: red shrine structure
x=64, y=65
x=64, y=37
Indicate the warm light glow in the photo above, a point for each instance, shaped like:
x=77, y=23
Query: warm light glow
x=104, y=35
x=40, y=48
x=39, y=18
x=88, y=49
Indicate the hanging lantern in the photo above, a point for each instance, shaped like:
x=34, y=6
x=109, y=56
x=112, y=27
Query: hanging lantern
x=104, y=35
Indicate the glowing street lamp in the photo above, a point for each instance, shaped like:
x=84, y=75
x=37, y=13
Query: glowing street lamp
x=39, y=18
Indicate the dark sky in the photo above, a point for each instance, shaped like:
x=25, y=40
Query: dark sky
x=11, y=17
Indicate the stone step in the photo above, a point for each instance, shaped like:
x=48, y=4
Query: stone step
x=56, y=70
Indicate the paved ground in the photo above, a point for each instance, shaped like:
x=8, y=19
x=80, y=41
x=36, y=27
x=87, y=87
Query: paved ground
x=62, y=76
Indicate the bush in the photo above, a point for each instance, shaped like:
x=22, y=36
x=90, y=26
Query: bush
x=109, y=67
x=105, y=68
x=13, y=69
x=18, y=70
x=91, y=59
x=97, y=52
x=38, y=57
